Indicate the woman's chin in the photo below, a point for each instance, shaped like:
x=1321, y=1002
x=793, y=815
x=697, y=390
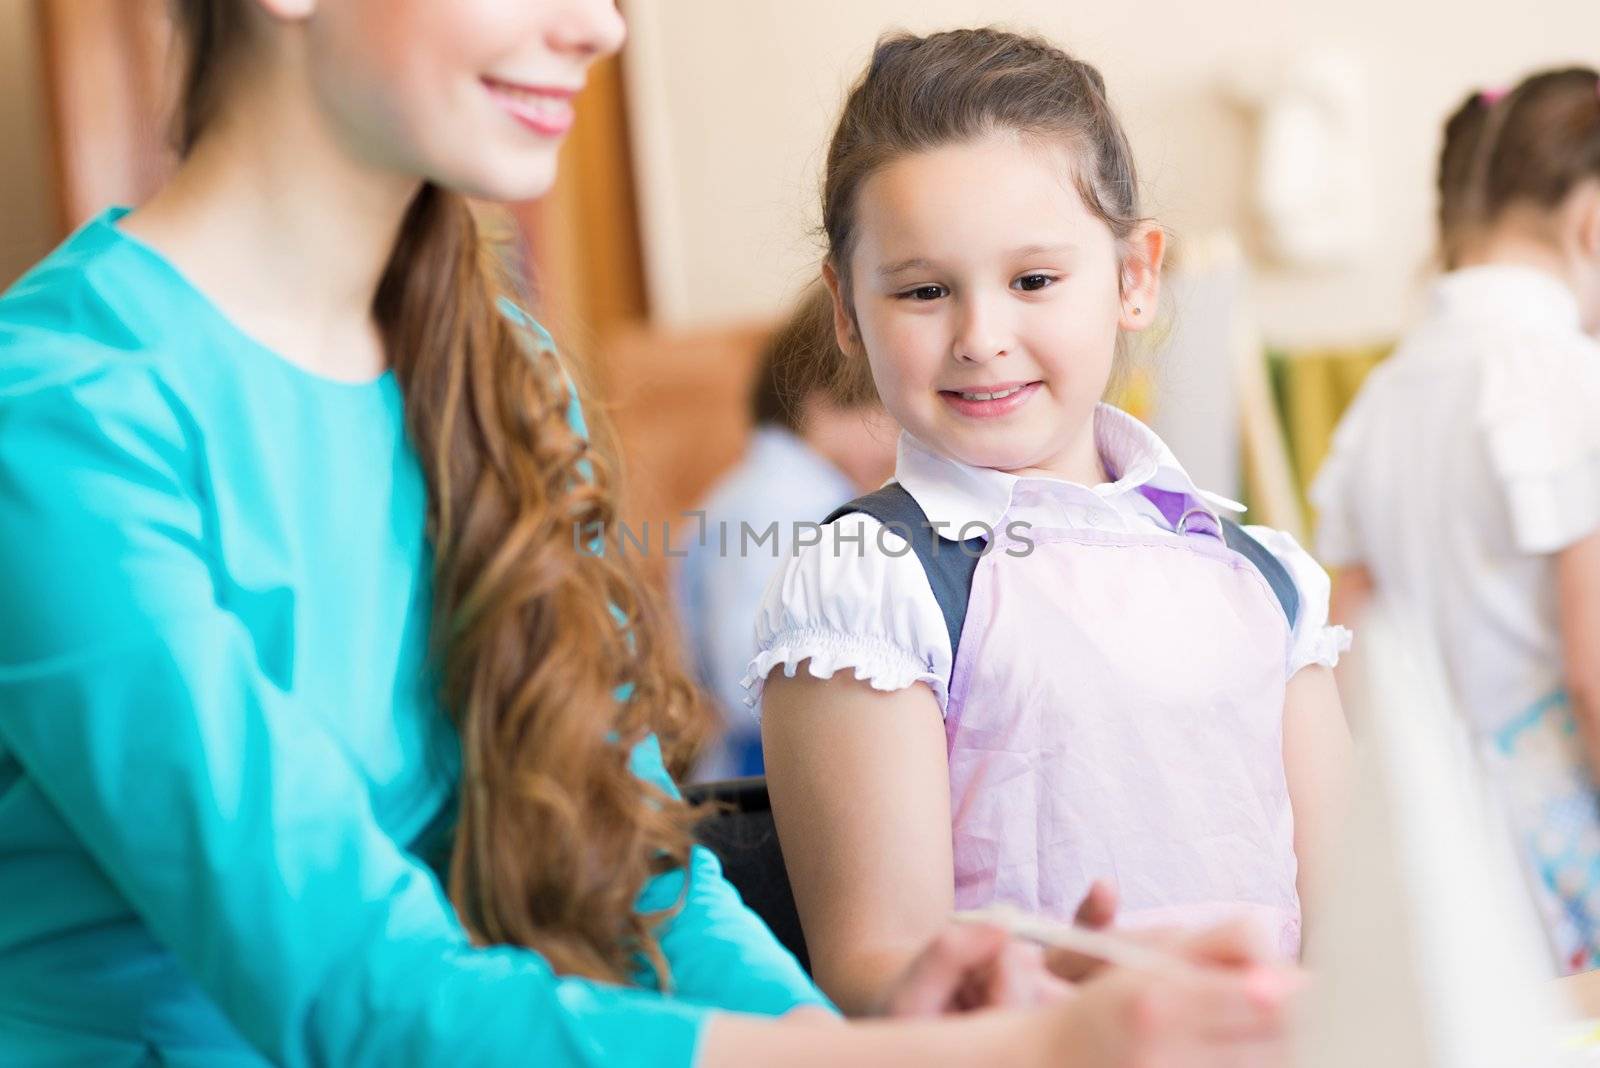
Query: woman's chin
x=528, y=177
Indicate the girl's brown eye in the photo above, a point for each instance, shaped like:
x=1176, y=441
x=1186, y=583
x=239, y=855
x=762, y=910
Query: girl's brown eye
x=1032, y=282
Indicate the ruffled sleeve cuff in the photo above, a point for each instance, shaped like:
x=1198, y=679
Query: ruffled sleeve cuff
x=850, y=603
x=1314, y=640
x=825, y=653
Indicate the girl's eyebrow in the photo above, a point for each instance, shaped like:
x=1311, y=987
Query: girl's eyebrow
x=917, y=263
x=1042, y=250
x=920, y=263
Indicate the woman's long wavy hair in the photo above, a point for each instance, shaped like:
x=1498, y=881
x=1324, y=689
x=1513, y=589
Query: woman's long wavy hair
x=534, y=631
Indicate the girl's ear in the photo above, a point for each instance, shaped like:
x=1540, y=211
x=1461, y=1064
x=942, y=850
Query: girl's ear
x=844, y=324
x=1141, y=276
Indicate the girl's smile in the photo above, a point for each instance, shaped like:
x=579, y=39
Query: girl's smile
x=990, y=402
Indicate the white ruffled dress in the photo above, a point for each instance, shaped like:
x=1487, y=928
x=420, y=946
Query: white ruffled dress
x=1470, y=458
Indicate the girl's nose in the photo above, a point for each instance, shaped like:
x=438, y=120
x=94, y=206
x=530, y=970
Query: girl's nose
x=982, y=335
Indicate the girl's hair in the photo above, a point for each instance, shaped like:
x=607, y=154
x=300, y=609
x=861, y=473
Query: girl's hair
x=1538, y=142
x=536, y=631
x=1457, y=160
x=921, y=93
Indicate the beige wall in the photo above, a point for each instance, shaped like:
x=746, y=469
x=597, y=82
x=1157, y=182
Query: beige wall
x=732, y=101
x=27, y=210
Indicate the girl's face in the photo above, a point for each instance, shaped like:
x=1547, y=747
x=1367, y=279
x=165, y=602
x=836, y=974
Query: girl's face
x=475, y=95
x=988, y=299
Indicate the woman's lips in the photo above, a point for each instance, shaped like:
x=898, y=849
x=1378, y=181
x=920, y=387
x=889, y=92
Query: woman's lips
x=546, y=110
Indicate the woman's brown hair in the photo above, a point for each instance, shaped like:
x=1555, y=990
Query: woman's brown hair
x=535, y=631
x=921, y=93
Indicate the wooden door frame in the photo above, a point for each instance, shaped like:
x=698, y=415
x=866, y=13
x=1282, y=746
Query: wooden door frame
x=107, y=76
x=584, y=236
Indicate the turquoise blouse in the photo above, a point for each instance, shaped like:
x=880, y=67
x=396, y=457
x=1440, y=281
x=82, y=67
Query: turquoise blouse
x=224, y=773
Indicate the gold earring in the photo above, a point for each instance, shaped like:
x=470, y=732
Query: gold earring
x=1138, y=311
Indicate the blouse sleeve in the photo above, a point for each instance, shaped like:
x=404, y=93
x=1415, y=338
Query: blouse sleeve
x=1314, y=640
x=857, y=600
x=227, y=816
x=1537, y=415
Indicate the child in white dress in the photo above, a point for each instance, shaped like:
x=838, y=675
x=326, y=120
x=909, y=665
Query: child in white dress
x=1464, y=482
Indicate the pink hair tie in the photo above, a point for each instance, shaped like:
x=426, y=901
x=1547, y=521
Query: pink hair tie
x=1491, y=97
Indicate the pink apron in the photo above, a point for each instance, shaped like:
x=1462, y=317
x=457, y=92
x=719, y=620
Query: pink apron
x=1121, y=719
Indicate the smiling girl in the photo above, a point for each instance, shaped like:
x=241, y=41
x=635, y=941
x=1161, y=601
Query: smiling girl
x=1042, y=657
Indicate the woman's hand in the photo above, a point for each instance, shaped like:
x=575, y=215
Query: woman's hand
x=1207, y=1017
x=974, y=966
x=1230, y=1009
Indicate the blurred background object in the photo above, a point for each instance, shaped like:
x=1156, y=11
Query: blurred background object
x=684, y=219
x=1430, y=941
x=1314, y=167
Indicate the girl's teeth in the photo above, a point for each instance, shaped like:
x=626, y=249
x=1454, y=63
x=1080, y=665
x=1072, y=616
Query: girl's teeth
x=991, y=396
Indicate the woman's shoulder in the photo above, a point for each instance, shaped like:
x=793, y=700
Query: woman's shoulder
x=90, y=318
x=53, y=376
x=79, y=423
x=82, y=385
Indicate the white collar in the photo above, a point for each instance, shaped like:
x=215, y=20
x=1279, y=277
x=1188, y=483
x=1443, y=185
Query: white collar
x=1507, y=291
x=954, y=494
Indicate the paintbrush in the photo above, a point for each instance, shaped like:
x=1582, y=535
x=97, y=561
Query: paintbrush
x=1099, y=945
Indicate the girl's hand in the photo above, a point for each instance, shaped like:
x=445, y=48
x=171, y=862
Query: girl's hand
x=1238, y=944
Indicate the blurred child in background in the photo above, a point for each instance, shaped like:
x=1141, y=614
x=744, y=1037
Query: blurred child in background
x=809, y=454
x=1464, y=482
